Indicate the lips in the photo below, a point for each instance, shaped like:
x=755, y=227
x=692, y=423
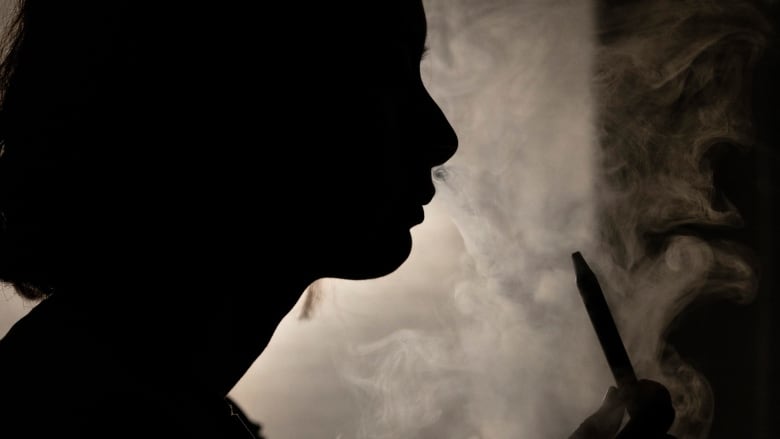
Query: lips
x=418, y=215
x=426, y=199
x=426, y=194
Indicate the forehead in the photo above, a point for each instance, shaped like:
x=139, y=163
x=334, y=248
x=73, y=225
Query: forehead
x=413, y=20
x=396, y=20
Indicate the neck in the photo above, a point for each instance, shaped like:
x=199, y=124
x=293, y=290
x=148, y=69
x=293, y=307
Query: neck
x=203, y=335
x=239, y=328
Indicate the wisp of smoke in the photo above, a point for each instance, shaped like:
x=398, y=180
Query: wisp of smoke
x=513, y=355
x=578, y=131
x=672, y=88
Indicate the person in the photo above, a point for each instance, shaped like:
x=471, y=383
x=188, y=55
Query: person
x=173, y=176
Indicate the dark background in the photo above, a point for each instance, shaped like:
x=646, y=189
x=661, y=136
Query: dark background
x=737, y=347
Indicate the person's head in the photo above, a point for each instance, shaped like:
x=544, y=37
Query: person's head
x=140, y=137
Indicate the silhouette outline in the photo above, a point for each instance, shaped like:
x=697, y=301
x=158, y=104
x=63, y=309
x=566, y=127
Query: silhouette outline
x=174, y=175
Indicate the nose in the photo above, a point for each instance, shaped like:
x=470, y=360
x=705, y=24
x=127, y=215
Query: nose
x=442, y=141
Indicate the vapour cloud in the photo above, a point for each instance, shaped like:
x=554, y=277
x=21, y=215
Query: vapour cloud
x=673, y=82
x=578, y=132
x=582, y=127
x=513, y=354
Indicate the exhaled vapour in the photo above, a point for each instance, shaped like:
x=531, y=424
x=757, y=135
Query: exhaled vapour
x=672, y=88
x=582, y=127
x=512, y=354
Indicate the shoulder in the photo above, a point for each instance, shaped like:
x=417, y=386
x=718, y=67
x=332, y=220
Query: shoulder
x=60, y=380
x=46, y=395
x=75, y=406
x=111, y=414
x=51, y=375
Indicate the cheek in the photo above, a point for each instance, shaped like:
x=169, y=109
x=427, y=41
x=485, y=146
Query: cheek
x=366, y=159
x=353, y=166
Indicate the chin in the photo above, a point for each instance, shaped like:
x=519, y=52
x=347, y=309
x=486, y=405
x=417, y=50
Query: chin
x=375, y=258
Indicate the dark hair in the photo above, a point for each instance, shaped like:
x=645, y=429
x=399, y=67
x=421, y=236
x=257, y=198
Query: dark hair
x=61, y=59
x=106, y=102
x=16, y=132
x=76, y=81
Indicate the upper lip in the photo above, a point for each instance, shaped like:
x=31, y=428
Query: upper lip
x=427, y=192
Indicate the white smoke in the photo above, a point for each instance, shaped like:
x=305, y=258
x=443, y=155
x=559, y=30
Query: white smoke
x=550, y=164
x=673, y=84
x=514, y=354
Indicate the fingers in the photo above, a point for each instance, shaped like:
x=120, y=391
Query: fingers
x=648, y=403
x=651, y=411
x=605, y=422
x=610, y=414
x=650, y=407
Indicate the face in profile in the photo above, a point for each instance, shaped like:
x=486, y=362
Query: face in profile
x=219, y=141
x=387, y=135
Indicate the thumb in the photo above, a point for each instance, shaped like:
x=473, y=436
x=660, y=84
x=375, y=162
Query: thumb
x=607, y=419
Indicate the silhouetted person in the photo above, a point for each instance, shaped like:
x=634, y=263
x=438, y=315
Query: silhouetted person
x=175, y=174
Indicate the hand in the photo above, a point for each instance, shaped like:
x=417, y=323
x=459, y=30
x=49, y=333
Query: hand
x=649, y=405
